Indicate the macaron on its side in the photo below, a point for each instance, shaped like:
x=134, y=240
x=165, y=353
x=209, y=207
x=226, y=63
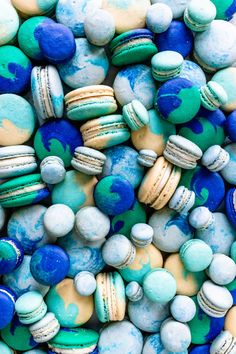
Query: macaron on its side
x=88, y=161
x=198, y=16
x=213, y=95
x=30, y=307
x=11, y=255
x=147, y=158
x=45, y=329
x=135, y=115
x=215, y=158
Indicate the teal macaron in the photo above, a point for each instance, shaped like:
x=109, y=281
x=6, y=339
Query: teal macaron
x=198, y=15
x=166, y=65
x=30, y=307
x=182, y=200
x=213, y=96
x=88, y=161
x=196, y=255
x=135, y=115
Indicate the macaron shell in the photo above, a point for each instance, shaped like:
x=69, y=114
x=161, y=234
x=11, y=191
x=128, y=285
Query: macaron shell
x=230, y=321
x=9, y=23
x=33, y=7
x=227, y=79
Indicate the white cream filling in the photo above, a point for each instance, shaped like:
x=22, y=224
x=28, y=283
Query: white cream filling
x=21, y=191
x=73, y=351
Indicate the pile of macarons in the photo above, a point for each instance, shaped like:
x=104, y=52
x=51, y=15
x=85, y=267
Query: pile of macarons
x=117, y=176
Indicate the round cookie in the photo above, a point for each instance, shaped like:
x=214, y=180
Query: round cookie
x=58, y=220
x=225, y=9
x=153, y=345
x=193, y=72
x=177, y=6
x=227, y=79
x=159, y=17
x=230, y=126
x=230, y=321
x=99, y=27
x=15, y=131
x=34, y=7
x=9, y=23
x=183, y=308
x=228, y=171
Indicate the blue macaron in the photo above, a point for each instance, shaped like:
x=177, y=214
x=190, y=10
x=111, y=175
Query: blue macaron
x=11, y=255
x=7, y=305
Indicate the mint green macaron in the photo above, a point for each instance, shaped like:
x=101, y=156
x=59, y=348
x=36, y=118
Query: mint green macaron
x=198, y=15
x=135, y=115
x=213, y=95
x=30, y=307
x=196, y=255
x=166, y=65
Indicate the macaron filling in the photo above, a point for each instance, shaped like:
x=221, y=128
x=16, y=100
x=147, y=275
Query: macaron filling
x=210, y=308
x=46, y=332
x=129, y=114
x=15, y=192
x=186, y=157
x=40, y=311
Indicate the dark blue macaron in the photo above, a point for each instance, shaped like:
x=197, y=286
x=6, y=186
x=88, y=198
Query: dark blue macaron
x=230, y=126
x=7, y=305
x=11, y=255
x=230, y=207
x=57, y=43
x=201, y=349
x=178, y=38
x=49, y=264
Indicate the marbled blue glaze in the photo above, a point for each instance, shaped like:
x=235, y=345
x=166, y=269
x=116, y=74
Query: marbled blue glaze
x=84, y=256
x=229, y=171
x=120, y=337
x=182, y=308
x=12, y=257
x=153, y=345
x=122, y=160
x=147, y=315
x=230, y=207
x=201, y=349
x=71, y=13
x=26, y=225
x=167, y=223
x=89, y=65
x=230, y=126
x=178, y=38
x=7, y=305
x=135, y=82
x=193, y=72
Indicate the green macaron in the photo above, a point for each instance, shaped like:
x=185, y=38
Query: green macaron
x=135, y=115
x=166, y=65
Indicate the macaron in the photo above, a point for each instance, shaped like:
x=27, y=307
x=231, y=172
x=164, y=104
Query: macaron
x=147, y=157
x=74, y=340
x=11, y=255
x=52, y=170
x=175, y=336
x=85, y=283
x=45, y=329
x=173, y=100
x=198, y=17
x=196, y=255
x=214, y=300
x=228, y=171
x=182, y=200
x=222, y=269
x=159, y=17
x=118, y=252
x=225, y=11
x=213, y=96
x=215, y=158
x=17, y=160
x=105, y=132
x=88, y=161
x=9, y=23
x=152, y=285
x=109, y=297
x=193, y=72
x=30, y=307
x=32, y=7
x=166, y=65
x=7, y=305
x=227, y=79
x=24, y=190
x=153, y=344
x=224, y=342
x=141, y=235
x=135, y=115
x=90, y=102
x=47, y=92
x=230, y=320
x=182, y=152
x=159, y=184
x=58, y=220
x=183, y=308
x=132, y=47
x=133, y=291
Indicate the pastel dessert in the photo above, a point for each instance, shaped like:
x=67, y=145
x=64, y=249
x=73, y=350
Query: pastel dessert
x=175, y=336
x=30, y=307
x=230, y=209
x=215, y=158
x=230, y=320
x=14, y=131
x=90, y=102
x=222, y=269
x=166, y=65
x=224, y=341
x=183, y=308
x=17, y=160
x=5, y=349
x=167, y=222
x=182, y=200
x=147, y=157
x=153, y=344
x=99, y=27
x=133, y=291
x=52, y=170
x=196, y=255
x=230, y=126
x=45, y=329
x=198, y=16
x=109, y=297
x=213, y=96
x=91, y=224
x=49, y=264
x=90, y=65
x=159, y=184
x=122, y=160
x=226, y=10
x=135, y=115
x=159, y=17
x=141, y=235
x=33, y=7
x=182, y=152
x=85, y=283
x=9, y=23
x=173, y=98
x=147, y=315
x=118, y=252
x=193, y=72
x=47, y=92
x=177, y=7
x=228, y=171
x=70, y=308
x=88, y=161
x=105, y=132
x=11, y=255
x=24, y=190
x=15, y=70
x=135, y=82
x=7, y=305
x=132, y=47
x=58, y=220
x=222, y=77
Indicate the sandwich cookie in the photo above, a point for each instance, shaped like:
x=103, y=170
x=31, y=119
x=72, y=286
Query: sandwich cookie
x=198, y=16
x=175, y=336
x=196, y=255
x=159, y=17
x=58, y=220
x=182, y=201
x=52, y=170
x=30, y=307
x=133, y=291
x=88, y=161
x=135, y=115
x=224, y=343
x=183, y=308
x=11, y=255
x=45, y=329
x=166, y=65
x=90, y=102
x=213, y=96
x=230, y=206
x=85, y=283
x=141, y=235
x=7, y=305
x=16, y=161
x=222, y=270
x=147, y=157
x=215, y=158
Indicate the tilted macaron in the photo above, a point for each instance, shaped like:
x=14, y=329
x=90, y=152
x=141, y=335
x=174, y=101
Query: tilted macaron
x=133, y=291
x=196, y=255
x=182, y=200
x=135, y=115
x=58, y=220
x=88, y=161
x=11, y=255
x=213, y=96
x=147, y=157
x=45, y=329
x=24, y=190
x=7, y=305
x=227, y=79
x=118, y=251
x=109, y=297
x=222, y=269
x=30, y=307
x=166, y=65
x=52, y=170
x=175, y=336
x=131, y=47
x=214, y=300
x=225, y=342
x=159, y=17
x=17, y=160
x=198, y=16
x=141, y=235
x=215, y=158
x=9, y=23
x=183, y=308
x=90, y=102
x=47, y=92
x=182, y=152
x=85, y=283
x=159, y=184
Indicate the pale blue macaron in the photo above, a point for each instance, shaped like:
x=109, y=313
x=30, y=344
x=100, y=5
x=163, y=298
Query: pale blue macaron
x=233, y=251
x=196, y=255
x=182, y=201
x=153, y=285
x=135, y=115
x=225, y=342
x=166, y=65
x=183, y=308
x=229, y=171
x=99, y=27
x=9, y=23
x=199, y=15
x=58, y=220
x=175, y=336
x=159, y=17
x=147, y=157
x=30, y=307
x=88, y=160
x=85, y=283
x=141, y=235
x=215, y=158
x=193, y=72
x=213, y=96
x=52, y=170
x=134, y=291
x=222, y=269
